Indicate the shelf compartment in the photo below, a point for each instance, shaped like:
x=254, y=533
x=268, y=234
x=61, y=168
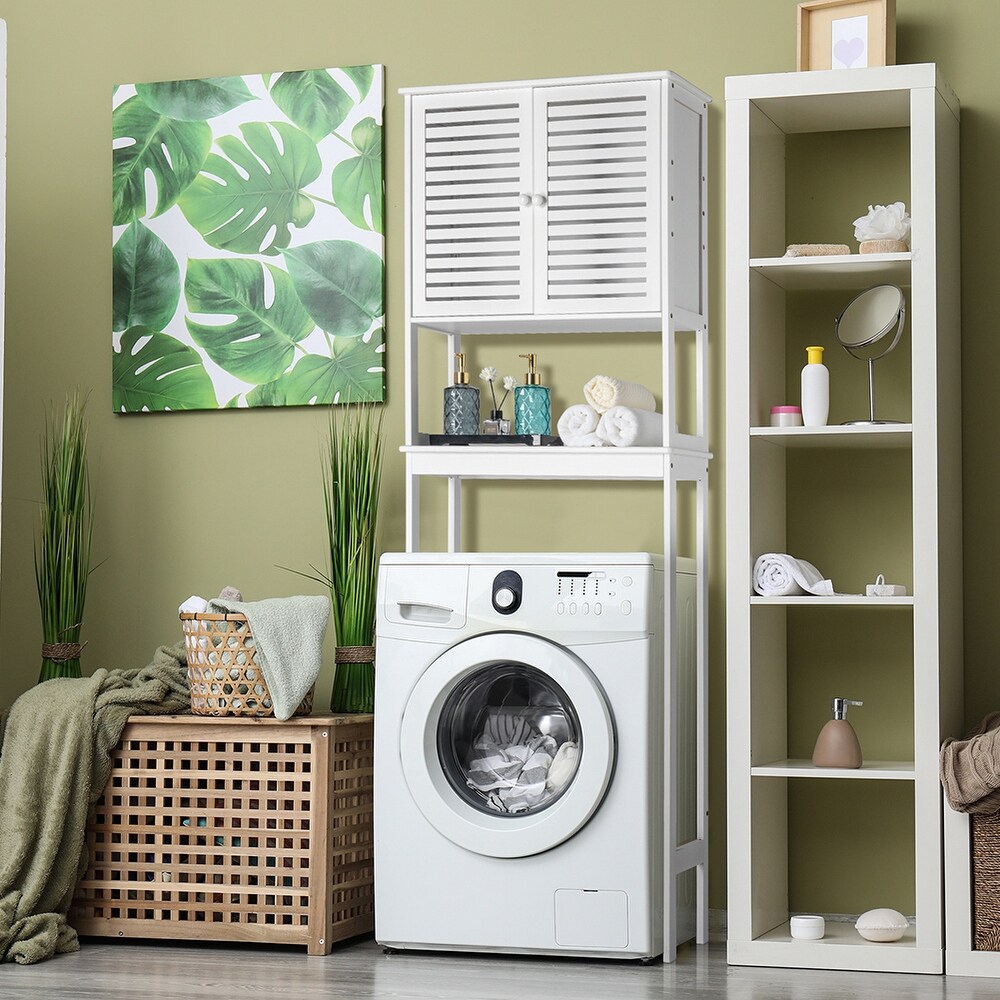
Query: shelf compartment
x=522, y=462
x=838, y=436
x=871, y=770
x=846, y=271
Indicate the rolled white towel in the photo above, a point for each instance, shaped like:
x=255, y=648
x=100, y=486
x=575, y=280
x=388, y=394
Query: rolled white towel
x=624, y=427
x=603, y=392
x=777, y=574
x=194, y=605
x=577, y=425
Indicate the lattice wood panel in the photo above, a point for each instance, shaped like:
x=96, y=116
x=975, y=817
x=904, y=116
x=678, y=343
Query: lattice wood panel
x=234, y=829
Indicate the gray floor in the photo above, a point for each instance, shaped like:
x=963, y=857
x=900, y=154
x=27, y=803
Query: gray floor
x=123, y=970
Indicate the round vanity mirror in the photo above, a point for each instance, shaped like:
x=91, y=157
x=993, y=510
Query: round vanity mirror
x=869, y=328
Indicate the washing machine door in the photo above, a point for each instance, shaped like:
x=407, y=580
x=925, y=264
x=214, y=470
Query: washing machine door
x=507, y=744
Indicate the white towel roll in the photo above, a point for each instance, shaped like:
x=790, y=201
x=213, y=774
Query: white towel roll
x=194, y=605
x=777, y=574
x=624, y=427
x=603, y=392
x=577, y=425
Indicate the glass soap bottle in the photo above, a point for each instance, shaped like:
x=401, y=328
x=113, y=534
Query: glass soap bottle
x=532, y=407
x=461, y=402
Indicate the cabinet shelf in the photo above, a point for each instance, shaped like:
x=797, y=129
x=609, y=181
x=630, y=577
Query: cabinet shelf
x=871, y=770
x=838, y=436
x=837, y=600
x=525, y=462
x=847, y=271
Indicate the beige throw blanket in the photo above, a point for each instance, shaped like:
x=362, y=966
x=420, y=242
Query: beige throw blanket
x=970, y=769
x=55, y=762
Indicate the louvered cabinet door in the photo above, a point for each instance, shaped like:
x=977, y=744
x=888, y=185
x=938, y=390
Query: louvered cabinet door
x=470, y=174
x=597, y=236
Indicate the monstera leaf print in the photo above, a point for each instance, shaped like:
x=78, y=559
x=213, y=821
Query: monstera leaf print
x=248, y=246
x=358, y=181
x=313, y=100
x=247, y=200
x=172, y=151
x=258, y=341
x=195, y=100
x=152, y=371
x=146, y=280
x=353, y=373
x=339, y=283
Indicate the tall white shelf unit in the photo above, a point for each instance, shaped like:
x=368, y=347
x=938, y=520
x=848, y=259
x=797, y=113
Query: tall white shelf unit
x=573, y=205
x=761, y=112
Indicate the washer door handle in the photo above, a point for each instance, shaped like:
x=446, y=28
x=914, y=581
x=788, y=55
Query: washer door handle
x=420, y=612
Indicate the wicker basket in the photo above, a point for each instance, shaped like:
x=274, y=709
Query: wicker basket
x=223, y=674
x=986, y=881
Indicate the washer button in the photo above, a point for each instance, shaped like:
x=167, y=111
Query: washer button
x=626, y=581
x=561, y=608
x=585, y=608
x=626, y=607
x=597, y=608
x=504, y=597
x=572, y=608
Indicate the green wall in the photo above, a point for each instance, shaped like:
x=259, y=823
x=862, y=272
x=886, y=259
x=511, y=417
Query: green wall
x=193, y=501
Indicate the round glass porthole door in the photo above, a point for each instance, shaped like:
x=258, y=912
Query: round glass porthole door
x=509, y=739
x=507, y=744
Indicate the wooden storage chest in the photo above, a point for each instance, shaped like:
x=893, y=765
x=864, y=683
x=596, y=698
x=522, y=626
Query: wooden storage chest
x=234, y=829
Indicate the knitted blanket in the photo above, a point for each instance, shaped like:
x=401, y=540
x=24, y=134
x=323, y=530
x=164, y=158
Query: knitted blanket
x=970, y=769
x=56, y=759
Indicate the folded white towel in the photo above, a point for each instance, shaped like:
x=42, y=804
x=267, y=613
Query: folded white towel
x=603, y=392
x=624, y=427
x=577, y=425
x=194, y=605
x=776, y=574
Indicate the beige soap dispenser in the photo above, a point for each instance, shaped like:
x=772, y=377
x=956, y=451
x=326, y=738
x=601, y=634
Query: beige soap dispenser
x=837, y=744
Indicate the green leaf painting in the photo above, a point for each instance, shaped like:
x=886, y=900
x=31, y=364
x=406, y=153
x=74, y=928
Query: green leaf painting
x=248, y=251
x=146, y=280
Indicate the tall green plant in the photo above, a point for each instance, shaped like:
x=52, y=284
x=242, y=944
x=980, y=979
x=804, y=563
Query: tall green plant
x=62, y=549
x=352, y=479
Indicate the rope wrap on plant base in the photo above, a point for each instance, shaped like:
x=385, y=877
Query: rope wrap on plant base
x=355, y=654
x=62, y=651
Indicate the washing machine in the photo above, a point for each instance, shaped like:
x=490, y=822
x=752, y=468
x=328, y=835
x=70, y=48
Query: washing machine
x=518, y=753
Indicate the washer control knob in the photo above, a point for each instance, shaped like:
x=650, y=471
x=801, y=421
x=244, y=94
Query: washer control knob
x=507, y=591
x=504, y=598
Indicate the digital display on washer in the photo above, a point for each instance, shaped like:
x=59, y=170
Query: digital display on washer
x=509, y=739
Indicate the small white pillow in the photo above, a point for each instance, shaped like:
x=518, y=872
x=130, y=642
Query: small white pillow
x=882, y=924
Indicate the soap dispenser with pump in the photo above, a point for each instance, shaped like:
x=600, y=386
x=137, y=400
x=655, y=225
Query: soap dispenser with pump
x=532, y=407
x=461, y=402
x=837, y=744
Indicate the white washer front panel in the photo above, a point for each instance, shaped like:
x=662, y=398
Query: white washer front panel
x=505, y=836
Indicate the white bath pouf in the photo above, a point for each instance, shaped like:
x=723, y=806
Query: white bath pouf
x=881, y=925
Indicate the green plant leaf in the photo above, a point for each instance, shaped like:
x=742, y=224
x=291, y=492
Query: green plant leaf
x=172, y=151
x=258, y=343
x=146, y=280
x=359, y=179
x=362, y=77
x=339, y=283
x=248, y=202
x=195, y=100
x=318, y=380
x=160, y=373
x=313, y=100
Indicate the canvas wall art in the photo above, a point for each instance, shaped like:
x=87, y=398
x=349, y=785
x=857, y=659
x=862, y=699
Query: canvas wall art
x=248, y=249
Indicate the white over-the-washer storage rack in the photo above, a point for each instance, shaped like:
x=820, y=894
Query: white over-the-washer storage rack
x=547, y=183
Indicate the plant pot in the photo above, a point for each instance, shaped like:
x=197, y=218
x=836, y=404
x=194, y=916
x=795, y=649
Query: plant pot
x=354, y=682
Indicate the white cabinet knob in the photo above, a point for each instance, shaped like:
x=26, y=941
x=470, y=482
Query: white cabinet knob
x=524, y=199
x=539, y=199
x=504, y=597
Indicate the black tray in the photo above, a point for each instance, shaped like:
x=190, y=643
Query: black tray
x=527, y=439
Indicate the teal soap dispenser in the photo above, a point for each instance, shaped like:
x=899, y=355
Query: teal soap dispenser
x=532, y=407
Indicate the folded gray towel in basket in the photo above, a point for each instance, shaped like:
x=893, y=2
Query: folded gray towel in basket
x=288, y=633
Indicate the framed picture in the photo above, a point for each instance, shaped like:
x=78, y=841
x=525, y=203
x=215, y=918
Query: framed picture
x=846, y=34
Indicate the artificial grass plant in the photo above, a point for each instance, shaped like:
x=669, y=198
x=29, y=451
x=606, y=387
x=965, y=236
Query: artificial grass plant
x=62, y=548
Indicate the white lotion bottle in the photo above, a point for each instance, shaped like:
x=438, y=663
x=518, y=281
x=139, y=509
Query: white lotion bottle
x=815, y=389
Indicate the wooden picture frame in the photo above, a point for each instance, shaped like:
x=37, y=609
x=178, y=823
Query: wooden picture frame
x=846, y=34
